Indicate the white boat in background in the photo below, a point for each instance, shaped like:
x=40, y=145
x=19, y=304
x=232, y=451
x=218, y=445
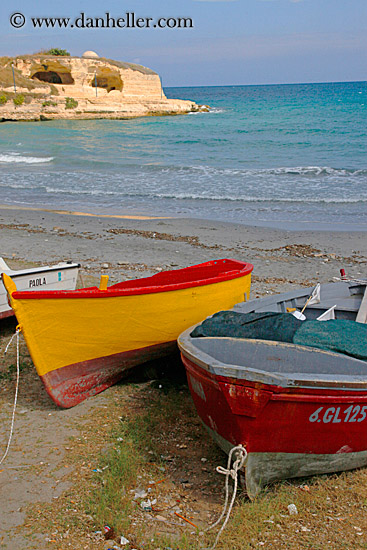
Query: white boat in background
x=62, y=276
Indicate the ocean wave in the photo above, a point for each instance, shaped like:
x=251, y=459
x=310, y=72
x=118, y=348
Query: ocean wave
x=184, y=197
x=17, y=158
x=307, y=171
x=82, y=168
x=88, y=192
x=315, y=171
x=187, y=141
x=246, y=199
x=283, y=170
x=179, y=196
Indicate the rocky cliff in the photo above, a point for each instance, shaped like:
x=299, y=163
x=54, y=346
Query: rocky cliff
x=53, y=87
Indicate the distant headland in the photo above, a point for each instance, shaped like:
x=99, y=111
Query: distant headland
x=54, y=85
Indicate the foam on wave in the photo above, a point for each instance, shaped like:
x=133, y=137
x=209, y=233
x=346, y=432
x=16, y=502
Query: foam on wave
x=17, y=158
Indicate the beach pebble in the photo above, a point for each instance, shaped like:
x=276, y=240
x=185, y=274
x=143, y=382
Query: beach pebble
x=292, y=509
x=105, y=266
x=140, y=493
x=146, y=505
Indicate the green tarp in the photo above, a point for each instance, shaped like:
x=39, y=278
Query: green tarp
x=342, y=336
x=264, y=326
x=347, y=337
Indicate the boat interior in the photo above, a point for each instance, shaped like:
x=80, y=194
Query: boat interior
x=346, y=296
x=283, y=363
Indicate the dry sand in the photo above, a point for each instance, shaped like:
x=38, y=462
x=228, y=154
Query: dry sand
x=132, y=248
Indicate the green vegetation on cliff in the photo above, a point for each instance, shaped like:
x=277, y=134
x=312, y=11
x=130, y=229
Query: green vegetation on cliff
x=70, y=103
x=58, y=51
x=7, y=80
x=18, y=100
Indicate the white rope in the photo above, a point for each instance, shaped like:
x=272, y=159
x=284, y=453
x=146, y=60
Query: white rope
x=16, y=391
x=233, y=473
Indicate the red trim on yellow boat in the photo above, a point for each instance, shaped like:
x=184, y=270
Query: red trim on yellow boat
x=167, y=281
x=70, y=385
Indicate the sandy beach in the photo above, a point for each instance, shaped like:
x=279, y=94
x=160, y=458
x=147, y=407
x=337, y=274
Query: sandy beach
x=133, y=247
x=128, y=248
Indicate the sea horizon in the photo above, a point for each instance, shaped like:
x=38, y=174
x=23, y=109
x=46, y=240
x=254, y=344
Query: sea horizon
x=267, y=84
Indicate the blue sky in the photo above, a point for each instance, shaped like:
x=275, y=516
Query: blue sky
x=233, y=41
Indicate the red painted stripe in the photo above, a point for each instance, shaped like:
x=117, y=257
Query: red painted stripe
x=293, y=393
x=167, y=281
x=338, y=397
x=70, y=385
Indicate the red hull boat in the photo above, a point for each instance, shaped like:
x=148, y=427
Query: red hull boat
x=297, y=410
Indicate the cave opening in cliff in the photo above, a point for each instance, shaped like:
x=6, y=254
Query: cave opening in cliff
x=107, y=80
x=53, y=77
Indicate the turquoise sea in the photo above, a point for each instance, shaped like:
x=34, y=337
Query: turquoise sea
x=291, y=156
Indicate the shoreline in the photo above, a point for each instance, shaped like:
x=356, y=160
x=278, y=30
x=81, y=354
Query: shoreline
x=282, y=225
x=11, y=116
x=77, y=213
x=134, y=246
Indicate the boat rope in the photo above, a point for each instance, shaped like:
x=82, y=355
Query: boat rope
x=240, y=458
x=16, y=334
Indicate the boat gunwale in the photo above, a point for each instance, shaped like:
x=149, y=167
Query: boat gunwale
x=252, y=375
x=243, y=269
x=261, y=305
x=15, y=274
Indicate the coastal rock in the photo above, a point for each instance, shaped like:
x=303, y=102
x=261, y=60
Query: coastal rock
x=63, y=87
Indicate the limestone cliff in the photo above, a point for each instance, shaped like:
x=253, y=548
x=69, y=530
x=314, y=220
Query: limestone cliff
x=54, y=87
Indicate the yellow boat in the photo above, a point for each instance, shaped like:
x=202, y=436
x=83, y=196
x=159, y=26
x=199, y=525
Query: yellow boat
x=82, y=341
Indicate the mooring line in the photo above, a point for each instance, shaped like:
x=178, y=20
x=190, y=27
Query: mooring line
x=16, y=334
x=233, y=473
